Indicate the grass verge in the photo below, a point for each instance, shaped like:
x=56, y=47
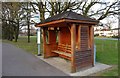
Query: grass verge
x=22, y=43
x=107, y=52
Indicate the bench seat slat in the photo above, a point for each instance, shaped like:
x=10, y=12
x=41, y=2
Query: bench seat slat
x=64, y=50
x=63, y=53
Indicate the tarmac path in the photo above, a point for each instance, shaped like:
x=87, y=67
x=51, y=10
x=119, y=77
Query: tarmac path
x=17, y=62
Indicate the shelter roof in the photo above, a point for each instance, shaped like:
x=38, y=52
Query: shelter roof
x=69, y=15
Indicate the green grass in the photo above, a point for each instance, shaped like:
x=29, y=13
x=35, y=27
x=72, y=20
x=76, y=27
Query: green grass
x=111, y=72
x=22, y=43
x=107, y=52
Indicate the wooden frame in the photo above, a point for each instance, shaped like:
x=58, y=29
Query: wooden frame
x=79, y=36
x=75, y=32
x=71, y=33
x=44, y=42
x=92, y=43
x=73, y=44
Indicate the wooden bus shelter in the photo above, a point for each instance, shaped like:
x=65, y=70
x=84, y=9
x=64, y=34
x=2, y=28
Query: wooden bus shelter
x=71, y=36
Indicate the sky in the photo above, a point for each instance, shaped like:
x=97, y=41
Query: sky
x=111, y=18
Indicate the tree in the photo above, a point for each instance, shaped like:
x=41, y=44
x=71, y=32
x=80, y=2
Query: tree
x=11, y=16
x=28, y=21
x=109, y=23
x=84, y=7
x=28, y=11
x=14, y=15
x=7, y=21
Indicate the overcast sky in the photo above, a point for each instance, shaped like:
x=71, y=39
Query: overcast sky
x=111, y=18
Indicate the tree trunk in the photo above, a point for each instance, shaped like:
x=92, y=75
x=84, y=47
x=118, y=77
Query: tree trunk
x=17, y=31
x=28, y=32
x=10, y=32
x=28, y=23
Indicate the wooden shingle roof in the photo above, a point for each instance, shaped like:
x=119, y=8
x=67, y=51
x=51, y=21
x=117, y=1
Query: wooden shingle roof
x=69, y=15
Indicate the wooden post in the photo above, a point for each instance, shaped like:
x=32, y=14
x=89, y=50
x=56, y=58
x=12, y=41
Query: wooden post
x=79, y=37
x=59, y=41
x=44, y=43
x=73, y=42
x=88, y=30
x=92, y=43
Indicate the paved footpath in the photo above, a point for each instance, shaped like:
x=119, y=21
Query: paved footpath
x=17, y=62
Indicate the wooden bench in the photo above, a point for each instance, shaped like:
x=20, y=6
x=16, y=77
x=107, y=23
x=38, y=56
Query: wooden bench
x=63, y=49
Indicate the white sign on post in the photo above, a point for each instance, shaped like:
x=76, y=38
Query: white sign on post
x=38, y=36
x=38, y=41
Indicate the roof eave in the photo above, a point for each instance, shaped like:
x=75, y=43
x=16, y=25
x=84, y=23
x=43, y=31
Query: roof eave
x=67, y=20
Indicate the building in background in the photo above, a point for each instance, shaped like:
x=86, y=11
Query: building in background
x=115, y=31
x=104, y=31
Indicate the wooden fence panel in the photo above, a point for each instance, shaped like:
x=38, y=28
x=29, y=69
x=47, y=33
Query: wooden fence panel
x=83, y=58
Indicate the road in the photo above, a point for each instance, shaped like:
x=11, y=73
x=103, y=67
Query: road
x=17, y=62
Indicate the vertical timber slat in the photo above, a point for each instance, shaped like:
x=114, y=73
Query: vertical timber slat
x=79, y=36
x=92, y=43
x=88, y=29
x=44, y=42
x=59, y=37
x=73, y=40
